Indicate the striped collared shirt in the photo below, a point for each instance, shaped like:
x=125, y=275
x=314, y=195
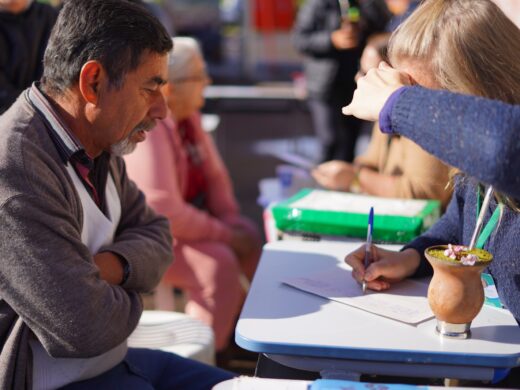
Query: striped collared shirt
x=92, y=171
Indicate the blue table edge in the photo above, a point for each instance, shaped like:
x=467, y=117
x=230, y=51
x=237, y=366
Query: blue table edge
x=393, y=356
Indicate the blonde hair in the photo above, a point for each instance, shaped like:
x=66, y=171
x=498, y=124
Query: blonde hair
x=185, y=50
x=470, y=47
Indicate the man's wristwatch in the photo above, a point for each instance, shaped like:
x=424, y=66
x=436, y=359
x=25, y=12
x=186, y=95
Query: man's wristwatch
x=126, y=270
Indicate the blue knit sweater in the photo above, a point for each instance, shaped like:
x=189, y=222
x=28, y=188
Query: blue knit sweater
x=482, y=138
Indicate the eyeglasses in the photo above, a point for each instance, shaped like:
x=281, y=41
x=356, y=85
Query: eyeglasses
x=202, y=78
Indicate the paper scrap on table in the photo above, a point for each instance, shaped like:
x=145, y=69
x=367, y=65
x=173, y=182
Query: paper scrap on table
x=405, y=301
x=295, y=159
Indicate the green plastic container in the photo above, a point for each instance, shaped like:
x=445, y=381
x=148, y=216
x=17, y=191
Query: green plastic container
x=328, y=217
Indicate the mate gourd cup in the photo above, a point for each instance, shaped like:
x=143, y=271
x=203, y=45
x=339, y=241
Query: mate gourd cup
x=456, y=293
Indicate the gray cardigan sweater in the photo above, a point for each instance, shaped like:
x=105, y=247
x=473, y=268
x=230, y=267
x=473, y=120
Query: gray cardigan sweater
x=49, y=285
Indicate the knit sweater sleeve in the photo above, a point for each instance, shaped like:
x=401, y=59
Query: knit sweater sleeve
x=447, y=230
x=478, y=136
x=143, y=237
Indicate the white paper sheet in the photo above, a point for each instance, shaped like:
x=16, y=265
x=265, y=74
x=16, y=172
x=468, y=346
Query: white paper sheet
x=353, y=203
x=405, y=301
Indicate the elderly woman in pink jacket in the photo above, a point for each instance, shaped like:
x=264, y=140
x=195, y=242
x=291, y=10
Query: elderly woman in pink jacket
x=180, y=171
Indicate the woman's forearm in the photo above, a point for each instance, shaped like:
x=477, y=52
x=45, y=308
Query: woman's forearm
x=478, y=136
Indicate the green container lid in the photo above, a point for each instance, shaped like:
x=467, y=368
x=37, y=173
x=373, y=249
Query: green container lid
x=334, y=213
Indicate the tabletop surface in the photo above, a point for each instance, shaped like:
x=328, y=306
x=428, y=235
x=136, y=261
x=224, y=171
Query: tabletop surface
x=279, y=319
x=250, y=92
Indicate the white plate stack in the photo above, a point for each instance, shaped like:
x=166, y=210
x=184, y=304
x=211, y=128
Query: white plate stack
x=174, y=332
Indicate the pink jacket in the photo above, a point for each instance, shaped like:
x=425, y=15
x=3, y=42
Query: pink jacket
x=159, y=167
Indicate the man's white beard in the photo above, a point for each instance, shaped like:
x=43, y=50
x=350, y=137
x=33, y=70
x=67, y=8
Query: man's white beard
x=126, y=145
x=123, y=147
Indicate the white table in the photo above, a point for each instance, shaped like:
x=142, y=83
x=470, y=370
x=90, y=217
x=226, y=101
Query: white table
x=247, y=383
x=308, y=332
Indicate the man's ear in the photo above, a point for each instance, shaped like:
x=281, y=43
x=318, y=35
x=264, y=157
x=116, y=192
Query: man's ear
x=91, y=78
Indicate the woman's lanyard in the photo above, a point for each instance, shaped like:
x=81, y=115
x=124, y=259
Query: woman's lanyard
x=490, y=226
x=490, y=290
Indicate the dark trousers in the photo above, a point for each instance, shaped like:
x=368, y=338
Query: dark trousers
x=336, y=133
x=147, y=369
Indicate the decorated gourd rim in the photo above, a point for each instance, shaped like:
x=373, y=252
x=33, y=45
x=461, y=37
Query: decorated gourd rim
x=459, y=255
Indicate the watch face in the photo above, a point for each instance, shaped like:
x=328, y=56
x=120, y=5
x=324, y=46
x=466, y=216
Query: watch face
x=126, y=270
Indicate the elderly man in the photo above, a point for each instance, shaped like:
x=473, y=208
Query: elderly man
x=78, y=243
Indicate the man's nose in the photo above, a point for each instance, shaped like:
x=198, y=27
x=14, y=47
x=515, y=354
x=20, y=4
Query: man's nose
x=158, y=108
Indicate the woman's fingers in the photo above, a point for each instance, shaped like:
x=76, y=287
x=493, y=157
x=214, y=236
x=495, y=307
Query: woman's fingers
x=373, y=91
x=356, y=261
x=378, y=285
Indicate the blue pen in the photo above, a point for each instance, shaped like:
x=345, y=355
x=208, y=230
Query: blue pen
x=368, y=245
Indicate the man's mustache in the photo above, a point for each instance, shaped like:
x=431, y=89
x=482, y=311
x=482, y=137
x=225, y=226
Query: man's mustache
x=144, y=126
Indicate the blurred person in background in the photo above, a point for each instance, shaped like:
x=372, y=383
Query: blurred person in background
x=392, y=166
x=180, y=171
x=25, y=27
x=156, y=9
x=200, y=19
x=375, y=49
x=400, y=10
x=331, y=45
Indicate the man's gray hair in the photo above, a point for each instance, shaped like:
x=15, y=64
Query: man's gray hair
x=185, y=50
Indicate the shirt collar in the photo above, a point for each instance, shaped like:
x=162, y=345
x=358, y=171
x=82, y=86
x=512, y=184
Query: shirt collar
x=68, y=145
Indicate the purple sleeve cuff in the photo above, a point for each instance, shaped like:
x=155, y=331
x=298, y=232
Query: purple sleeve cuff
x=385, y=116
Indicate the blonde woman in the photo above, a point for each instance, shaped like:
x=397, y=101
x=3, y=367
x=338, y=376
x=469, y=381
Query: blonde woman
x=180, y=170
x=469, y=47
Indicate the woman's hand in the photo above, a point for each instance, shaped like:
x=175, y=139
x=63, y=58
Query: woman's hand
x=370, y=58
x=334, y=175
x=346, y=37
x=386, y=266
x=373, y=90
x=110, y=267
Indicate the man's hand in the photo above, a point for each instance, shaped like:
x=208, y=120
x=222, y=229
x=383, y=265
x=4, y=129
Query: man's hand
x=242, y=243
x=373, y=90
x=346, y=37
x=110, y=267
x=387, y=267
x=334, y=175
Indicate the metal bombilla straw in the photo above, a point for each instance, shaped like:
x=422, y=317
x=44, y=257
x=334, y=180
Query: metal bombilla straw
x=480, y=219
